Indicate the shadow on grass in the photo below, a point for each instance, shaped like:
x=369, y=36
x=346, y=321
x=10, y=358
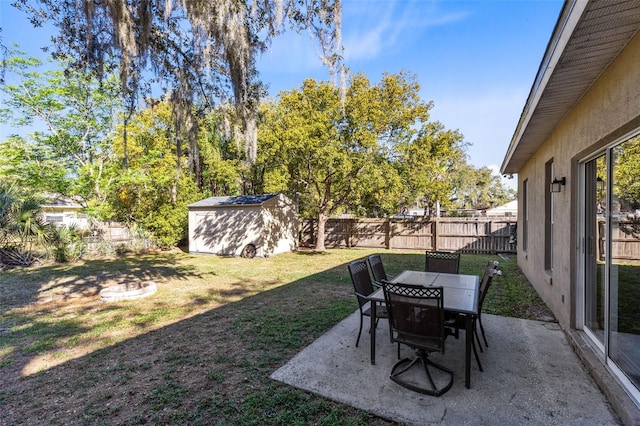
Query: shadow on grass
x=86, y=279
x=210, y=368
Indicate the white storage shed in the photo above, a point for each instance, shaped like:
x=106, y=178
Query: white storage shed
x=246, y=225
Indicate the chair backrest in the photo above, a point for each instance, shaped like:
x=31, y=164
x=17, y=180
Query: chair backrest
x=442, y=261
x=490, y=271
x=416, y=315
x=377, y=268
x=361, y=280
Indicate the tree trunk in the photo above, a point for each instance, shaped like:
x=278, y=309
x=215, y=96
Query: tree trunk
x=322, y=221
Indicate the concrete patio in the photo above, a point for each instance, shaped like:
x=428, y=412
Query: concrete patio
x=531, y=376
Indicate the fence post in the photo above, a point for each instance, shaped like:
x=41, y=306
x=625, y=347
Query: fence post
x=388, y=234
x=434, y=232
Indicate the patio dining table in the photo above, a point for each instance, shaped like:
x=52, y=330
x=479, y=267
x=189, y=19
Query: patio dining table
x=460, y=296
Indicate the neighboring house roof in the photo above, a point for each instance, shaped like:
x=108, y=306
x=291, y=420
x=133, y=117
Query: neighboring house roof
x=510, y=207
x=57, y=201
x=586, y=39
x=241, y=200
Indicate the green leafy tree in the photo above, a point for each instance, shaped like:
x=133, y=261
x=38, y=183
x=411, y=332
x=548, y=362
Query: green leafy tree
x=220, y=155
x=479, y=188
x=32, y=168
x=428, y=163
x=21, y=228
x=354, y=155
x=67, y=243
x=305, y=138
x=152, y=191
x=627, y=172
x=73, y=115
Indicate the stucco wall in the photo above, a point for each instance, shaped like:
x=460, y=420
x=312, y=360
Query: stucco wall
x=608, y=110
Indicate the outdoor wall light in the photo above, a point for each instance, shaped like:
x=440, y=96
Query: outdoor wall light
x=557, y=184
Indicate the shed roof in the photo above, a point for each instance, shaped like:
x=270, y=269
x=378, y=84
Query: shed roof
x=240, y=200
x=586, y=39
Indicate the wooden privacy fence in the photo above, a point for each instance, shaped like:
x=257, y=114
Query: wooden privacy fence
x=467, y=235
x=625, y=240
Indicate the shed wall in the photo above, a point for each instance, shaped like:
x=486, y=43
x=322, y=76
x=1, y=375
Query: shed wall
x=225, y=231
x=280, y=226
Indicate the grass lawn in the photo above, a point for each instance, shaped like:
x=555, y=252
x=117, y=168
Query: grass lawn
x=201, y=349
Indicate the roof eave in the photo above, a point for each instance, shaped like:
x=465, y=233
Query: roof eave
x=569, y=18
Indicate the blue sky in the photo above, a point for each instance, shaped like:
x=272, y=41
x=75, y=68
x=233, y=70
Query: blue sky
x=476, y=60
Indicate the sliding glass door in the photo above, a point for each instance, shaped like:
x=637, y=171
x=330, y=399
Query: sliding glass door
x=611, y=257
x=624, y=266
x=595, y=248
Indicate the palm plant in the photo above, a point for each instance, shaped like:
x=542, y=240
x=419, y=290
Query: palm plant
x=21, y=228
x=67, y=243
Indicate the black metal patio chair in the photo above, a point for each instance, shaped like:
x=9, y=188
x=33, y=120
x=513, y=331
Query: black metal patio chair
x=377, y=268
x=416, y=319
x=490, y=271
x=455, y=321
x=442, y=261
x=363, y=288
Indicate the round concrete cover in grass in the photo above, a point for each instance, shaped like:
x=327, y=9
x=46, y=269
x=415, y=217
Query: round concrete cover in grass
x=128, y=291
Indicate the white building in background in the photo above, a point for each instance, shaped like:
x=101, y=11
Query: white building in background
x=508, y=209
x=60, y=210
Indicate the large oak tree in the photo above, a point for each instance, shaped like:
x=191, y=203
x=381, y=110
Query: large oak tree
x=368, y=153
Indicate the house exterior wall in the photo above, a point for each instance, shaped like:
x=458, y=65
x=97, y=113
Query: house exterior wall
x=610, y=109
x=70, y=217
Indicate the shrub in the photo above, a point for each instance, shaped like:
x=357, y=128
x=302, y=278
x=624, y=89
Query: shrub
x=67, y=244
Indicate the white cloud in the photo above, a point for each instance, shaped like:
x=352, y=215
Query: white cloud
x=371, y=29
x=375, y=27
x=291, y=53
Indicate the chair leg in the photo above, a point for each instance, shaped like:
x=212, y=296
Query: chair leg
x=400, y=368
x=453, y=323
x=475, y=353
x=482, y=330
x=411, y=362
x=359, y=331
x=476, y=337
x=428, y=373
